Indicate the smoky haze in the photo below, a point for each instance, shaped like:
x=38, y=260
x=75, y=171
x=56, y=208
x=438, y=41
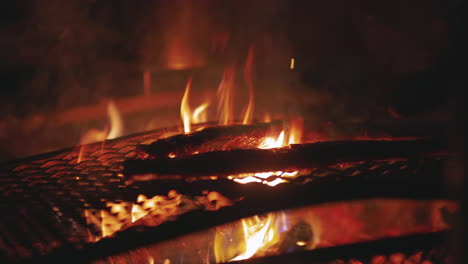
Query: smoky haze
x=57, y=55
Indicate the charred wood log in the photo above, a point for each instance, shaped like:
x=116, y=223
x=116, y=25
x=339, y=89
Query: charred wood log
x=294, y=157
x=210, y=139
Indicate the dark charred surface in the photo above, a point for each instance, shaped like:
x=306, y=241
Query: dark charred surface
x=301, y=156
x=211, y=139
x=45, y=195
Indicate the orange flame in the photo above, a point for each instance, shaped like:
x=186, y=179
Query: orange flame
x=200, y=114
x=185, y=108
x=296, y=127
x=295, y=134
x=115, y=120
x=258, y=234
x=95, y=135
x=115, y=127
x=225, y=90
x=248, y=114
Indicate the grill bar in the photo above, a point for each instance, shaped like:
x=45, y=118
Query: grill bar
x=431, y=245
x=43, y=198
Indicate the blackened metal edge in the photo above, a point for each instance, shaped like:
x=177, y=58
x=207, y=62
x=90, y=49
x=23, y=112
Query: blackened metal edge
x=359, y=251
x=346, y=189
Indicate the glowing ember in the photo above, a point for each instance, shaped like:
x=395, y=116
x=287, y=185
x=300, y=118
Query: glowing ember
x=148, y=211
x=291, y=64
x=295, y=135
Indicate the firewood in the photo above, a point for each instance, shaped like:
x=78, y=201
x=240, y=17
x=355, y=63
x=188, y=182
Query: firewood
x=210, y=139
x=294, y=157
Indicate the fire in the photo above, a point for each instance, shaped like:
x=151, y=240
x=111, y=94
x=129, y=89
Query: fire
x=115, y=127
x=115, y=120
x=120, y=214
x=296, y=127
x=114, y=130
x=224, y=97
x=224, y=93
x=258, y=233
x=185, y=108
x=199, y=115
x=248, y=115
x=271, y=142
x=295, y=134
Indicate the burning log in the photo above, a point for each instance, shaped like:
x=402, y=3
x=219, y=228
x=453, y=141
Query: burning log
x=210, y=139
x=294, y=157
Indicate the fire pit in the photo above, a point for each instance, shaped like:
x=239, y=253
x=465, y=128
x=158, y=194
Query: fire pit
x=244, y=145
x=97, y=201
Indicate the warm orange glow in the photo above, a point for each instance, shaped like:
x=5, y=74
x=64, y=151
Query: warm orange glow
x=301, y=243
x=200, y=114
x=291, y=64
x=179, y=54
x=147, y=83
x=185, y=108
x=123, y=213
x=95, y=135
x=270, y=142
x=224, y=93
x=115, y=120
x=296, y=127
x=115, y=127
x=248, y=114
x=295, y=134
x=258, y=233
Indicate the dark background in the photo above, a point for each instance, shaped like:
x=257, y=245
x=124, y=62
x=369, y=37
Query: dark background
x=58, y=54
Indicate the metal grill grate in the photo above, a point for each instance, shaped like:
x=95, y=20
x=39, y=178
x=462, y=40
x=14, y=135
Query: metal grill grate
x=44, y=199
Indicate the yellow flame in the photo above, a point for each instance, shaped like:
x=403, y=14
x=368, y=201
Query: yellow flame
x=115, y=127
x=295, y=134
x=185, y=108
x=291, y=64
x=296, y=127
x=270, y=142
x=200, y=114
x=95, y=135
x=115, y=120
x=258, y=234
